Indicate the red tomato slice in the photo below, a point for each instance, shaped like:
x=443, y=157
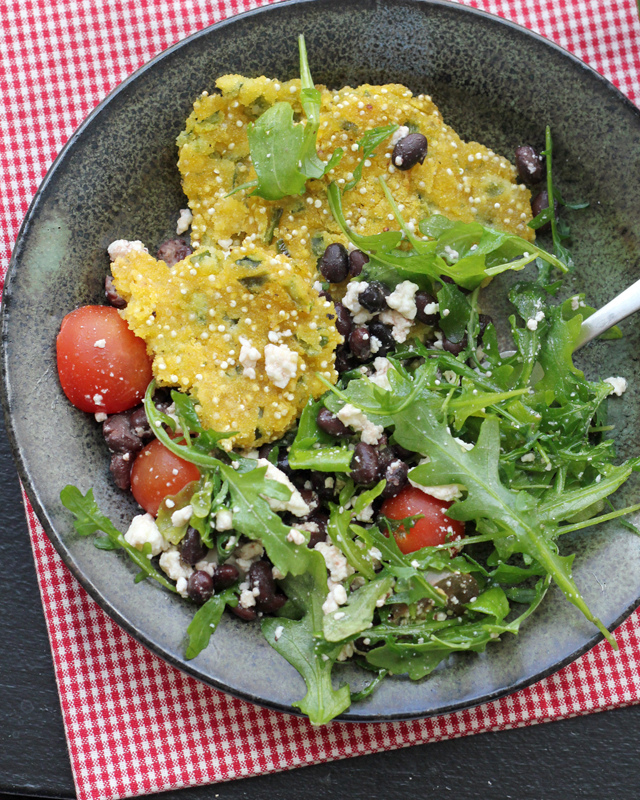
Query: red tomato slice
x=157, y=473
x=435, y=527
x=102, y=364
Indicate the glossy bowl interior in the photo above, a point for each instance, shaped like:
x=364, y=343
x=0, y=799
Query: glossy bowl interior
x=117, y=178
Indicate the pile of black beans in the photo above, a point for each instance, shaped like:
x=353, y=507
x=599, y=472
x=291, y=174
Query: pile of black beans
x=531, y=171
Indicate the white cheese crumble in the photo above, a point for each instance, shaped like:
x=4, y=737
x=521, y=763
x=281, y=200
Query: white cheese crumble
x=350, y=301
x=100, y=343
x=402, y=131
x=181, y=516
x=527, y=458
x=247, y=554
x=403, y=299
x=247, y=598
x=295, y=504
x=370, y=433
x=575, y=303
x=122, y=247
x=100, y=416
x=224, y=520
x=338, y=566
x=281, y=364
x=143, y=530
x=336, y=597
x=296, y=537
x=401, y=325
x=184, y=220
x=175, y=568
x=278, y=632
x=532, y=324
x=248, y=358
x=619, y=385
x=448, y=492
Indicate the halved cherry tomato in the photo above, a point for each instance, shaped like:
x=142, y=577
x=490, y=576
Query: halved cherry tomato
x=434, y=528
x=157, y=473
x=102, y=364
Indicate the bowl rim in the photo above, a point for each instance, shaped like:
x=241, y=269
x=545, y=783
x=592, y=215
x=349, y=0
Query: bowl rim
x=29, y=488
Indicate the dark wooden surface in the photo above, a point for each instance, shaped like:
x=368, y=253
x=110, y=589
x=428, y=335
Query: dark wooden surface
x=588, y=757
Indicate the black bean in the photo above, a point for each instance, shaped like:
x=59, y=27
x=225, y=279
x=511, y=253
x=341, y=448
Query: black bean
x=360, y=342
x=309, y=496
x=321, y=520
x=409, y=151
x=140, y=424
x=119, y=436
x=344, y=361
x=364, y=464
x=265, y=450
x=459, y=589
x=454, y=347
x=447, y=279
x=402, y=453
x=319, y=480
x=538, y=203
x=357, y=260
x=191, y=548
x=334, y=263
x=484, y=320
x=385, y=457
x=262, y=583
x=396, y=477
x=330, y=424
x=344, y=320
x=173, y=250
x=374, y=297
x=283, y=461
x=224, y=576
x=245, y=614
x=111, y=293
x=384, y=335
x=325, y=295
x=424, y=299
x=529, y=164
x=200, y=586
x=120, y=468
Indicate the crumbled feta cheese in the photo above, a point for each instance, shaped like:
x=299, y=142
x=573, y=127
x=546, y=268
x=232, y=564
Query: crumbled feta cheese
x=338, y=566
x=278, y=632
x=380, y=378
x=247, y=554
x=619, y=385
x=366, y=515
x=295, y=504
x=350, y=301
x=336, y=597
x=528, y=457
x=100, y=416
x=297, y=537
x=224, y=520
x=248, y=358
x=347, y=649
x=281, y=364
x=374, y=344
x=171, y=563
x=352, y=416
x=184, y=220
x=403, y=299
x=318, y=286
x=181, y=516
x=448, y=492
x=247, y=598
x=100, y=343
x=181, y=587
x=401, y=326
x=277, y=574
x=122, y=247
x=143, y=530
x=532, y=324
x=402, y=131
x=575, y=303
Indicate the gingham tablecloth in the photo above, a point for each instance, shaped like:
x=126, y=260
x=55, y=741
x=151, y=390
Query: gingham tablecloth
x=134, y=724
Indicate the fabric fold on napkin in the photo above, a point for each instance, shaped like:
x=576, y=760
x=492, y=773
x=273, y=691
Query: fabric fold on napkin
x=134, y=724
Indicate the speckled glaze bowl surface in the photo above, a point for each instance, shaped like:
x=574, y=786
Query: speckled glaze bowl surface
x=117, y=178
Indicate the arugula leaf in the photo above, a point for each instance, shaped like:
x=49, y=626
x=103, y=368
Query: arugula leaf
x=357, y=614
x=297, y=643
x=304, y=452
x=89, y=520
x=367, y=146
x=283, y=153
x=205, y=621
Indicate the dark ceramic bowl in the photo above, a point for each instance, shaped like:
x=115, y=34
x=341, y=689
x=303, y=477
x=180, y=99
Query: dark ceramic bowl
x=117, y=178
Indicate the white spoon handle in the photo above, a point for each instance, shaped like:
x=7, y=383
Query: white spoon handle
x=606, y=317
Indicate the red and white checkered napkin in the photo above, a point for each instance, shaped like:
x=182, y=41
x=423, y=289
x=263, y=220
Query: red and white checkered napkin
x=134, y=724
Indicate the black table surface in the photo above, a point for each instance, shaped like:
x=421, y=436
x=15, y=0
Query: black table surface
x=586, y=757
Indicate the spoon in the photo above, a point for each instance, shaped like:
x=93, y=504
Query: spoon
x=609, y=315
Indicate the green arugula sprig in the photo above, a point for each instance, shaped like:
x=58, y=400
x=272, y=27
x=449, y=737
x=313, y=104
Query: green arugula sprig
x=367, y=146
x=283, y=153
x=89, y=520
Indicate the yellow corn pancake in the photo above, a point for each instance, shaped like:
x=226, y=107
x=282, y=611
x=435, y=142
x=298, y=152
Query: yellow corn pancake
x=461, y=180
x=243, y=331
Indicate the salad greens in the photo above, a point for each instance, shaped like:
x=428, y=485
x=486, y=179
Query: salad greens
x=517, y=440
